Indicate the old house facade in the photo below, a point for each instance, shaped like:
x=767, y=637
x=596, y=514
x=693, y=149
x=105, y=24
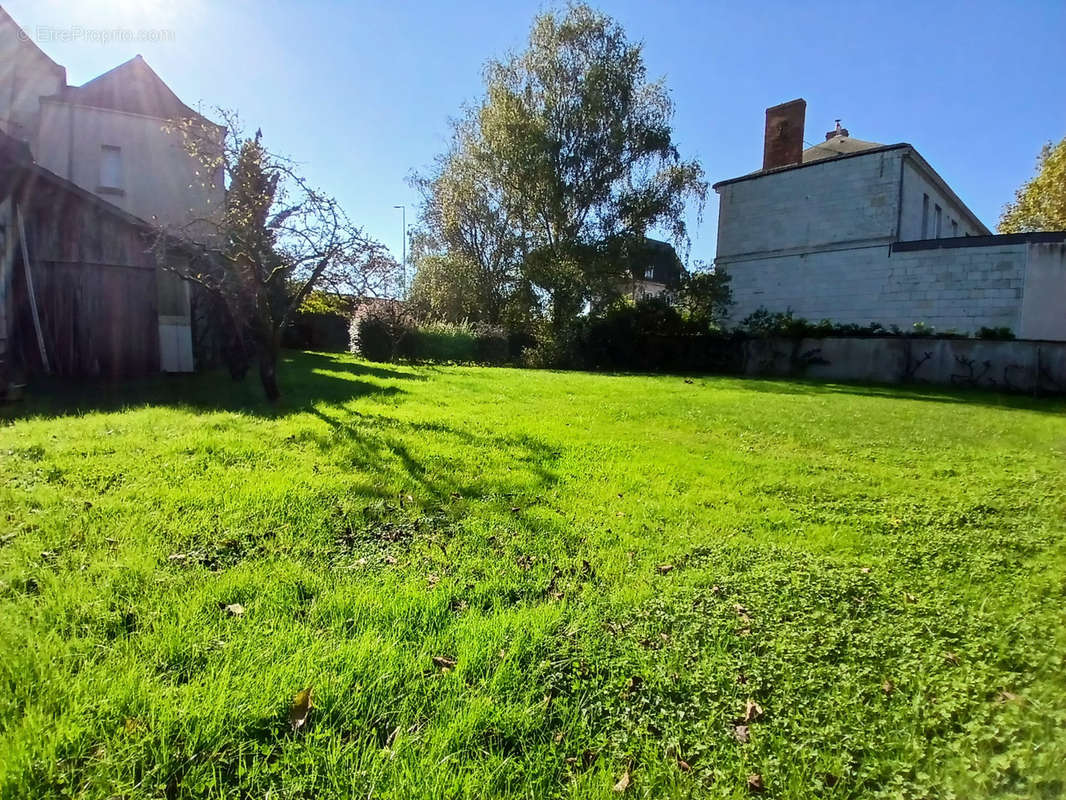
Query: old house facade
x=113, y=137
x=860, y=232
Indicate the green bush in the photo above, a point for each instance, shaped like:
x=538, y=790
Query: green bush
x=439, y=341
x=379, y=329
x=1003, y=334
x=491, y=345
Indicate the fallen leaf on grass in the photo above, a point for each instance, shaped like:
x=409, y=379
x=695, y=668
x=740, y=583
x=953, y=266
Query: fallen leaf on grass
x=301, y=707
x=755, y=783
x=623, y=782
x=662, y=569
x=741, y=733
x=234, y=609
x=432, y=580
x=752, y=711
x=444, y=663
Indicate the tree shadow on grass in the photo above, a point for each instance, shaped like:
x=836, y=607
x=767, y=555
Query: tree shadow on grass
x=926, y=393
x=305, y=378
x=507, y=465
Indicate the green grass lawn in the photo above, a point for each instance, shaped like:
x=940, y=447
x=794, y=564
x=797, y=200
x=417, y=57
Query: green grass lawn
x=531, y=584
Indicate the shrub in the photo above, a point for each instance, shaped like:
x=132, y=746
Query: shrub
x=318, y=331
x=784, y=324
x=378, y=328
x=556, y=349
x=1003, y=334
x=439, y=341
x=517, y=343
x=491, y=345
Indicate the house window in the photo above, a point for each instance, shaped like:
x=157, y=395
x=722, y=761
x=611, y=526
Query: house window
x=111, y=168
x=936, y=222
x=925, y=216
x=954, y=228
x=649, y=274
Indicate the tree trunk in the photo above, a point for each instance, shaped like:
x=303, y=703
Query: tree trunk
x=268, y=368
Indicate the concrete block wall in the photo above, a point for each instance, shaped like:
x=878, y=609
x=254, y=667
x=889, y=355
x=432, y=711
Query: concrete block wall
x=962, y=288
x=825, y=204
x=1021, y=366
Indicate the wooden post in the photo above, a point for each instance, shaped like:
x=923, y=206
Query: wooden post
x=30, y=292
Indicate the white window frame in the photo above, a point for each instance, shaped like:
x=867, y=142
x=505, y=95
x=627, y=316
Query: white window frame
x=111, y=173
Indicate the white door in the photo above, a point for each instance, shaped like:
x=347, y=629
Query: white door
x=175, y=324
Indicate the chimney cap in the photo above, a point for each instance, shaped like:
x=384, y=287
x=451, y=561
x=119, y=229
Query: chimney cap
x=838, y=131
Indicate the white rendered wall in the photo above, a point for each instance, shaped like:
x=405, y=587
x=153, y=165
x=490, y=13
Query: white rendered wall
x=1044, y=303
x=159, y=178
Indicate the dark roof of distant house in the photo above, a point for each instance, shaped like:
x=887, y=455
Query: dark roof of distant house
x=661, y=257
x=133, y=87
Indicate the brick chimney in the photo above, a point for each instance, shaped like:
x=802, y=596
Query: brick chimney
x=783, y=145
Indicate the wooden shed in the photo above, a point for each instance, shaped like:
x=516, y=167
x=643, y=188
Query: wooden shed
x=79, y=290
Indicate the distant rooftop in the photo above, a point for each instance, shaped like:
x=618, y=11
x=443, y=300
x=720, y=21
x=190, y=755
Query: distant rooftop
x=839, y=145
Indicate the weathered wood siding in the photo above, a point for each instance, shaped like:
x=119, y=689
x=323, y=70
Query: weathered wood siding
x=95, y=284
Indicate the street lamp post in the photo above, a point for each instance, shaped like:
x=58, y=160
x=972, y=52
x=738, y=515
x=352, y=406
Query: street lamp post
x=403, y=264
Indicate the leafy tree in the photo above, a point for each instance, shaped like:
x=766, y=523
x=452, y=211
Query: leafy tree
x=445, y=288
x=705, y=297
x=469, y=236
x=570, y=154
x=1040, y=204
x=275, y=239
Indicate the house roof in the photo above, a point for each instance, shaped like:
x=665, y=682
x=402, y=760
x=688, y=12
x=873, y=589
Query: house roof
x=25, y=40
x=133, y=87
x=837, y=146
x=660, y=257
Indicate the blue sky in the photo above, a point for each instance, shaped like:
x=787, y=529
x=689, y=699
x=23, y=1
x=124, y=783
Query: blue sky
x=361, y=93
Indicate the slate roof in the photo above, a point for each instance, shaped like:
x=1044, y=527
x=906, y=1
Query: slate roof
x=133, y=87
x=837, y=146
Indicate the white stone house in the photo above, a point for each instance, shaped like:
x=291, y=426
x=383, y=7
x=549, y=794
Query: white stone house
x=114, y=137
x=859, y=232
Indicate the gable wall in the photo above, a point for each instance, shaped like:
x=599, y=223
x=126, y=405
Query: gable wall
x=159, y=178
x=26, y=74
x=834, y=203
